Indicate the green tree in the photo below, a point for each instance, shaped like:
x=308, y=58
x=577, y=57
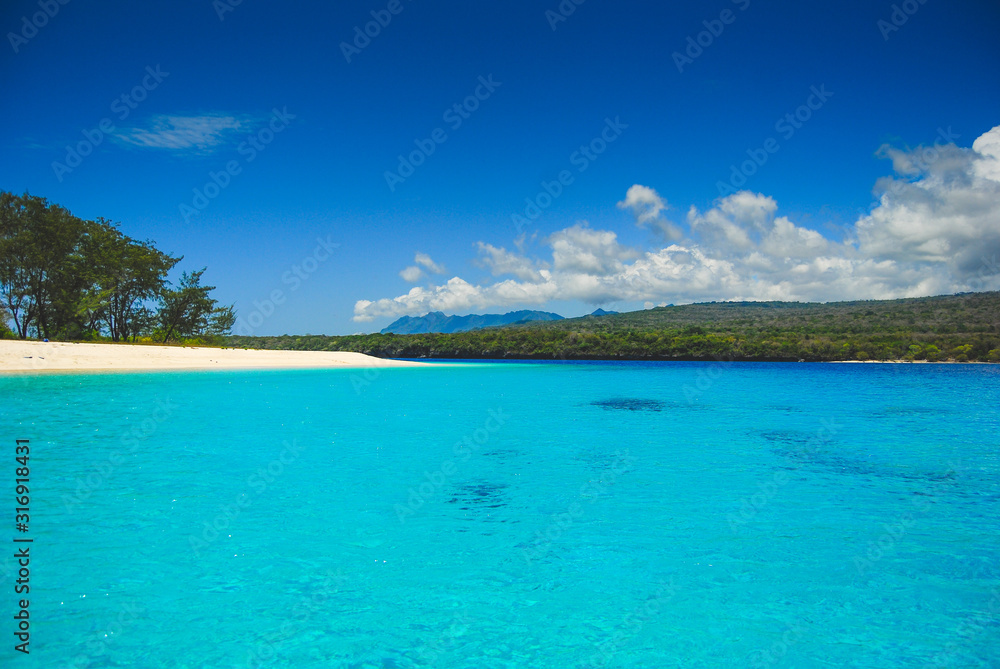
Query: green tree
x=14, y=276
x=222, y=321
x=5, y=331
x=189, y=311
x=124, y=274
x=40, y=265
x=63, y=277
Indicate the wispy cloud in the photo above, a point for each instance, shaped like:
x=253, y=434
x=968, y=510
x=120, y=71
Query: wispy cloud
x=932, y=231
x=413, y=274
x=647, y=206
x=500, y=261
x=190, y=134
x=425, y=260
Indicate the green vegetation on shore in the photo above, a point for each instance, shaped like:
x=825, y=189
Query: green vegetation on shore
x=65, y=278
x=962, y=328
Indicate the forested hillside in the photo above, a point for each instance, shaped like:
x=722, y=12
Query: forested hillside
x=962, y=327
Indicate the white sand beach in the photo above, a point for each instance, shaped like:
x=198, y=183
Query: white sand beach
x=35, y=357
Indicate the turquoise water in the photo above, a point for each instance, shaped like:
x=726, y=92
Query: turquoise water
x=512, y=515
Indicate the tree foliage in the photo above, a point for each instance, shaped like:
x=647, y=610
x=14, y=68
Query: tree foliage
x=123, y=275
x=62, y=277
x=189, y=311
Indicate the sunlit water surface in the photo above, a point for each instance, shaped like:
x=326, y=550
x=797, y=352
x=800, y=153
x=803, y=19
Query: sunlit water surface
x=512, y=515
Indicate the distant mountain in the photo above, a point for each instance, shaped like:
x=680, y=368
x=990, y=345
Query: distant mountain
x=602, y=312
x=438, y=322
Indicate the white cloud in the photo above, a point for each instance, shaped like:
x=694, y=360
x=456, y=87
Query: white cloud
x=415, y=273
x=987, y=147
x=500, y=261
x=199, y=133
x=412, y=274
x=425, y=260
x=644, y=202
x=581, y=249
x=744, y=223
x=935, y=229
x=647, y=206
x=455, y=295
x=947, y=218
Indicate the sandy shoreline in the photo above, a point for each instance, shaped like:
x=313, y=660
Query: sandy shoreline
x=39, y=357
x=34, y=357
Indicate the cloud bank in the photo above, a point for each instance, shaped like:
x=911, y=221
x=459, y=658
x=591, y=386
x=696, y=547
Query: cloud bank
x=935, y=229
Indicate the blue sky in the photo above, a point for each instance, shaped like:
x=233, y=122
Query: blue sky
x=682, y=177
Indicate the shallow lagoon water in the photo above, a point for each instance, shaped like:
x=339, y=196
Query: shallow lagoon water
x=514, y=515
